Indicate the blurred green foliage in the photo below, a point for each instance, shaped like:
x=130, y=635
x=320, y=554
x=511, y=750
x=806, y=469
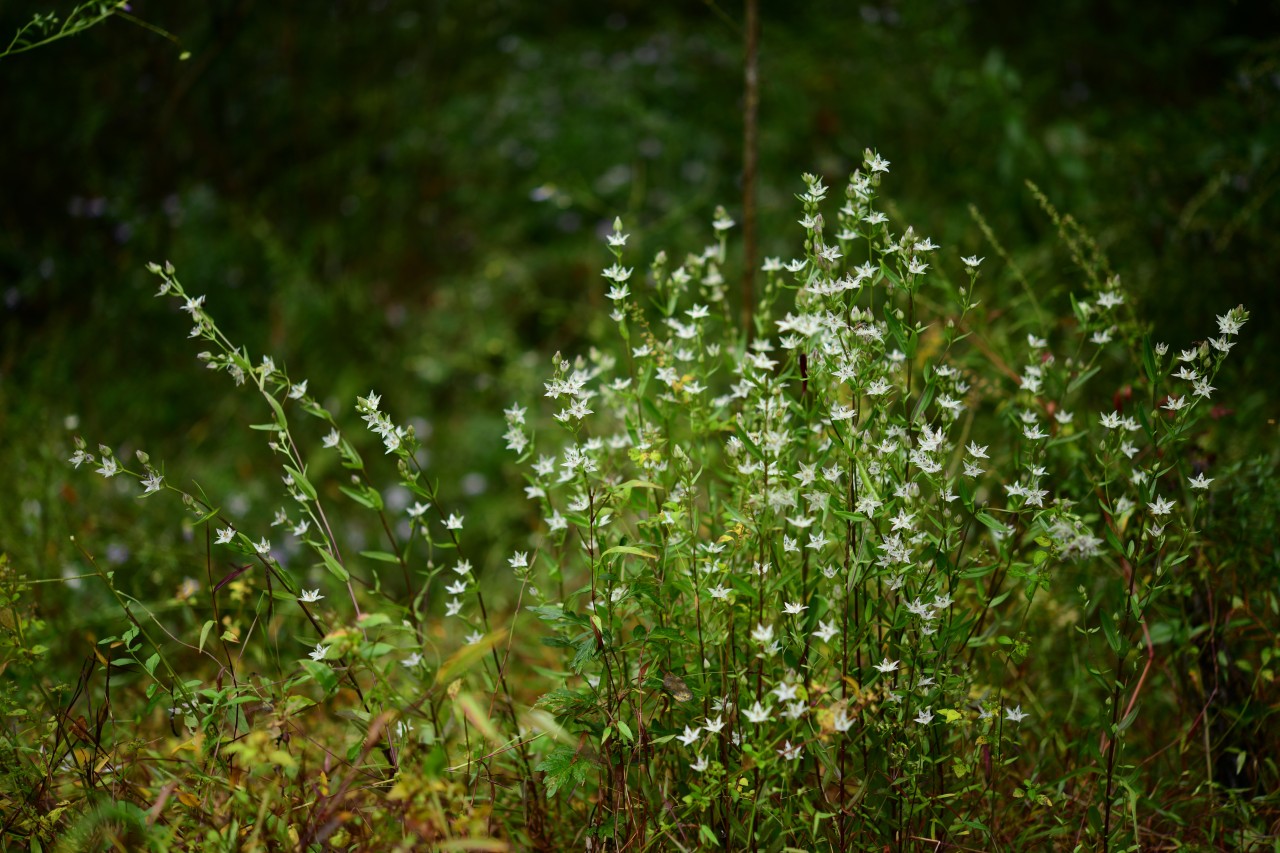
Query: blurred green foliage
x=411, y=197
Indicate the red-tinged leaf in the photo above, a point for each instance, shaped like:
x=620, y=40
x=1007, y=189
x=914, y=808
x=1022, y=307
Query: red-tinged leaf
x=235, y=574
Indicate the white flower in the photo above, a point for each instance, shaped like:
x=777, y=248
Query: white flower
x=789, y=752
x=519, y=560
x=301, y=528
x=319, y=652
x=689, y=737
x=1015, y=714
x=762, y=634
x=454, y=522
x=784, y=691
x=225, y=535
x=868, y=505
x=794, y=608
x=925, y=717
x=1228, y=325
x=109, y=467
x=714, y=726
x=411, y=661
x=842, y=722
x=151, y=483
x=310, y=595
x=826, y=631
x=758, y=713
x=263, y=546
x=617, y=273
x=454, y=607
x=1160, y=506
x=887, y=666
x=296, y=392
x=1034, y=432
x=474, y=637
x=1199, y=482
x=875, y=389
x=876, y=163
x=699, y=765
x=332, y=439
x=972, y=261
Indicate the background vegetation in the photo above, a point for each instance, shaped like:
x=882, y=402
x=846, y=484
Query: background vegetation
x=413, y=196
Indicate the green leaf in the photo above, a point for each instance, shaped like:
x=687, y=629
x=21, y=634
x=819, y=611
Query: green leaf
x=991, y=522
x=926, y=397
x=563, y=767
x=1075, y=384
x=638, y=484
x=629, y=549
x=625, y=731
x=1112, y=539
x=666, y=635
x=275, y=406
x=300, y=480
x=335, y=568
x=380, y=556
x=1109, y=629
x=364, y=496
x=465, y=657
x=204, y=633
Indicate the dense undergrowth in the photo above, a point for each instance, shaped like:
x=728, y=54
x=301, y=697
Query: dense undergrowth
x=897, y=567
x=959, y=546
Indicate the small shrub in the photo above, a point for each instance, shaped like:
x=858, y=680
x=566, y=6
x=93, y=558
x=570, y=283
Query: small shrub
x=879, y=570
